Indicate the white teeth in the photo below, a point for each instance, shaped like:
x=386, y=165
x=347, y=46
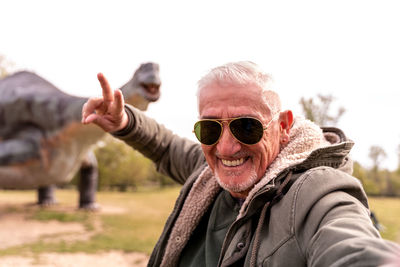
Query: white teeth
x=232, y=163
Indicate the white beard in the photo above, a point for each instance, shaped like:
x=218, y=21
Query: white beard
x=233, y=186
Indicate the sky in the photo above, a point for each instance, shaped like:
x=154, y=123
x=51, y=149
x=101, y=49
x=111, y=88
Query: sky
x=349, y=49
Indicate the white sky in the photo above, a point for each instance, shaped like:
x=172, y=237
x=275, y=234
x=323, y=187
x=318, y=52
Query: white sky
x=347, y=48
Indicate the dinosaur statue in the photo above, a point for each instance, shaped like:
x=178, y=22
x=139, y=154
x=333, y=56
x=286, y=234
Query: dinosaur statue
x=42, y=140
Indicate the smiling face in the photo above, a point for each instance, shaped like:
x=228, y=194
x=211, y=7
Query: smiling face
x=238, y=167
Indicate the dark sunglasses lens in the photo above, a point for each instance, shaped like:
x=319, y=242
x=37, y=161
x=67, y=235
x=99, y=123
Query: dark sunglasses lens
x=247, y=130
x=207, y=132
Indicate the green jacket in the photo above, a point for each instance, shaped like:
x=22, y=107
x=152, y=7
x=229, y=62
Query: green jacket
x=311, y=212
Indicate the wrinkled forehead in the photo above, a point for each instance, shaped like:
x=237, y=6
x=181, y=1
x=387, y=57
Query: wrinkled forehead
x=232, y=96
x=216, y=90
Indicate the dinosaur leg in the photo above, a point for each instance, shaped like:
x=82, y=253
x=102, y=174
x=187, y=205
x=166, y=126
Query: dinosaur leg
x=88, y=183
x=46, y=196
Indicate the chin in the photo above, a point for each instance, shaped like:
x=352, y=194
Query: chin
x=236, y=183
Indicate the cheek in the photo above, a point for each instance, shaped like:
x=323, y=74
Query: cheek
x=261, y=160
x=266, y=153
x=209, y=155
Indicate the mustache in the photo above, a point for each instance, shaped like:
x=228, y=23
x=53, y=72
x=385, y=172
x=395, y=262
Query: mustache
x=237, y=155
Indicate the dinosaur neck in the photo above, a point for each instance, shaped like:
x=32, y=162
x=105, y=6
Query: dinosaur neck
x=72, y=107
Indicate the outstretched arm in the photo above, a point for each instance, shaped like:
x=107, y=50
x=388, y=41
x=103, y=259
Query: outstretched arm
x=107, y=111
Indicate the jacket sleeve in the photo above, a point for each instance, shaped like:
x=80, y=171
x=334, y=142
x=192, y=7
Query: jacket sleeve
x=332, y=223
x=174, y=156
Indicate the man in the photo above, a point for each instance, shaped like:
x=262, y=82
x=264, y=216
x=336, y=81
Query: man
x=263, y=189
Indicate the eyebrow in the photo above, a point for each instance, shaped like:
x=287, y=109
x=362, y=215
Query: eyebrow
x=219, y=118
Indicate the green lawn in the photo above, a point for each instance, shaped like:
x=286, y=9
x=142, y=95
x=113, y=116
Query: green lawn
x=387, y=211
x=137, y=222
x=134, y=225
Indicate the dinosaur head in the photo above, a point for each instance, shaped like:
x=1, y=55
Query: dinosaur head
x=144, y=87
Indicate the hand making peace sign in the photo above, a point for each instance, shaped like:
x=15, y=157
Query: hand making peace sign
x=107, y=111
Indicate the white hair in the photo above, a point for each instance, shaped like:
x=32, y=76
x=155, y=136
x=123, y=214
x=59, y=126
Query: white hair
x=243, y=73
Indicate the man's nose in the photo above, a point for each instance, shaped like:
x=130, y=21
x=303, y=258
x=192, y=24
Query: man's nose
x=227, y=144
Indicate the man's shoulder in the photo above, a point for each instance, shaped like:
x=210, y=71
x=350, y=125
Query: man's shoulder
x=318, y=182
x=325, y=176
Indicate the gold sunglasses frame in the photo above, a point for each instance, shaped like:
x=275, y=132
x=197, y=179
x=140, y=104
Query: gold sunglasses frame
x=229, y=120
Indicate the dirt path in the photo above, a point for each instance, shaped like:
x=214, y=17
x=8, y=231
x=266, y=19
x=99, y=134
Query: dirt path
x=17, y=229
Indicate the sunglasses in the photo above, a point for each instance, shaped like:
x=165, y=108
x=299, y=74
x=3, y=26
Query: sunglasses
x=246, y=130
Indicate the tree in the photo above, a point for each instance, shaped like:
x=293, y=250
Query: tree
x=398, y=157
x=123, y=168
x=120, y=167
x=159, y=179
x=318, y=111
x=379, y=178
x=377, y=154
x=369, y=185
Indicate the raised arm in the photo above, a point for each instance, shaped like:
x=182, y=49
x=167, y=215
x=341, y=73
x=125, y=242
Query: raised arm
x=107, y=111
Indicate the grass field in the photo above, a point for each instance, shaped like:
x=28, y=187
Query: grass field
x=387, y=211
x=129, y=221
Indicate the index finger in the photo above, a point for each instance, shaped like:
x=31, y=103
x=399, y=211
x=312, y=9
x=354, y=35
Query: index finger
x=108, y=94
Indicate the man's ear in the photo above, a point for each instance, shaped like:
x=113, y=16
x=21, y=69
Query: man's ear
x=286, y=120
x=285, y=123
